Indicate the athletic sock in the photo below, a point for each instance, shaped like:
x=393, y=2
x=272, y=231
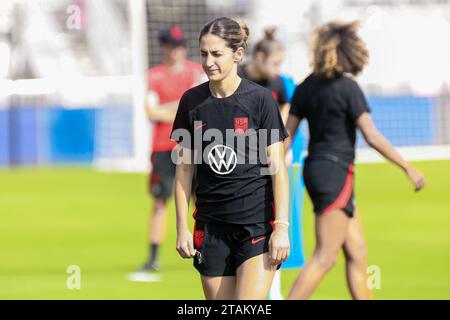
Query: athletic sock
x=153, y=253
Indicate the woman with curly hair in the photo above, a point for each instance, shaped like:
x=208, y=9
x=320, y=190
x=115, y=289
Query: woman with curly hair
x=335, y=107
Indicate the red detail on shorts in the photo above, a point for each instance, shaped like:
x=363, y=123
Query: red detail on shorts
x=154, y=175
x=275, y=95
x=199, y=236
x=241, y=125
x=194, y=214
x=255, y=241
x=272, y=224
x=154, y=178
x=346, y=192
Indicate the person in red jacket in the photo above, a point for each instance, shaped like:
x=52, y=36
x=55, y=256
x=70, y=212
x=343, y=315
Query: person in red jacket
x=166, y=84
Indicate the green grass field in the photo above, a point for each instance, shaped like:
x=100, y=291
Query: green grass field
x=56, y=217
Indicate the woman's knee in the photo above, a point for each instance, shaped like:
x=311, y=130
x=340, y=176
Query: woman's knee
x=325, y=260
x=219, y=288
x=160, y=206
x=356, y=252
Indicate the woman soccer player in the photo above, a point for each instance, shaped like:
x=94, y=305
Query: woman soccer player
x=241, y=228
x=265, y=69
x=335, y=107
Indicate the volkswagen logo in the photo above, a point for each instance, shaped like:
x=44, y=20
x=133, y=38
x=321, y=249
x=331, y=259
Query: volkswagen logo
x=222, y=159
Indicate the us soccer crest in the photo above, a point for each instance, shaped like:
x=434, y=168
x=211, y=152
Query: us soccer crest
x=241, y=125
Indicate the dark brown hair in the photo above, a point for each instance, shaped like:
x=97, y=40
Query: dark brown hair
x=337, y=49
x=269, y=44
x=235, y=33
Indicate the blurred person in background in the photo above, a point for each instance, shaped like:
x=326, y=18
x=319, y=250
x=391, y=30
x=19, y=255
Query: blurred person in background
x=265, y=68
x=335, y=107
x=241, y=217
x=166, y=84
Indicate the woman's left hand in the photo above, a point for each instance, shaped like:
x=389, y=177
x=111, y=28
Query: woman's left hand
x=279, y=247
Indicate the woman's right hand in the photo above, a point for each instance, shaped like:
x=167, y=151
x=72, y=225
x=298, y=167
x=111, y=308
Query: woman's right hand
x=417, y=178
x=185, y=244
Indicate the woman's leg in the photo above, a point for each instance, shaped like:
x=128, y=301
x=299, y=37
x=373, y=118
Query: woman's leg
x=331, y=232
x=254, y=278
x=219, y=288
x=158, y=221
x=355, y=250
x=157, y=228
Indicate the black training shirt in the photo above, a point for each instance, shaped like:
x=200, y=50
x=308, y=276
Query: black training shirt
x=276, y=85
x=331, y=107
x=231, y=184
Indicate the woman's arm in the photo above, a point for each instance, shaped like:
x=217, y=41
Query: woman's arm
x=284, y=110
x=291, y=126
x=377, y=141
x=162, y=113
x=279, y=241
x=183, y=185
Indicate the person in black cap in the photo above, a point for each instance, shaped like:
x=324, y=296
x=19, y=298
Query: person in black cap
x=166, y=84
x=172, y=36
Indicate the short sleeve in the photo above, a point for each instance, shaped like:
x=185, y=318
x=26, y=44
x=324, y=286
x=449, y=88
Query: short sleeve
x=298, y=103
x=357, y=102
x=271, y=119
x=182, y=130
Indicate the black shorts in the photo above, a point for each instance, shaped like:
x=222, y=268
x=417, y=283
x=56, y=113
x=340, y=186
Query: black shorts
x=329, y=182
x=224, y=247
x=162, y=176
